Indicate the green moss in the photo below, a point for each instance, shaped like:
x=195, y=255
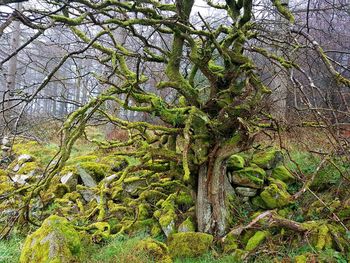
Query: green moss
x=83, y=159
x=189, y=244
x=60, y=190
x=282, y=173
x=96, y=170
x=55, y=241
x=300, y=259
x=256, y=240
x=235, y=162
x=28, y=167
x=101, y=231
x=155, y=251
x=323, y=238
x=267, y=159
x=184, y=199
x=230, y=244
x=152, y=196
x=249, y=176
x=187, y=226
x=275, y=197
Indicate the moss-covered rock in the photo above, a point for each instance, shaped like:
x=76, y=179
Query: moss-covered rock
x=167, y=215
x=267, y=159
x=56, y=241
x=154, y=250
x=187, y=226
x=189, y=244
x=235, y=162
x=282, y=173
x=256, y=240
x=275, y=196
x=250, y=176
x=133, y=184
x=97, y=170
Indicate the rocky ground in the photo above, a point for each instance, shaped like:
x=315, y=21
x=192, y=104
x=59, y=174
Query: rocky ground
x=99, y=196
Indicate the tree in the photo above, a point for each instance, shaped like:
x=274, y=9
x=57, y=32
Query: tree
x=217, y=102
x=214, y=121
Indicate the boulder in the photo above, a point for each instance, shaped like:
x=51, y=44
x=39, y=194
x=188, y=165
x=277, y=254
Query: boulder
x=250, y=176
x=282, y=173
x=87, y=179
x=275, y=196
x=56, y=241
x=246, y=191
x=189, y=244
x=267, y=159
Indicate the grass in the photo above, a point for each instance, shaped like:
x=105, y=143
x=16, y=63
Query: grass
x=10, y=249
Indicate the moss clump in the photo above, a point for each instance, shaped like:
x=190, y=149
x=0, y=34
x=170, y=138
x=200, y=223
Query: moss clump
x=97, y=170
x=250, y=176
x=28, y=167
x=267, y=159
x=256, y=240
x=230, y=244
x=275, y=197
x=187, y=226
x=83, y=159
x=300, y=259
x=235, y=162
x=189, y=244
x=154, y=250
x=281, y=173
x=56, y=241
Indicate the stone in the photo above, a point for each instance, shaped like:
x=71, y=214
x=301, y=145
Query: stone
x=69, y=179
x=189, y=244
x=187, y=226
x=56, y=241
x=250, y=176
x=132, y=184
x=87, y=179
x=246, y=191
x=282, y=173
x=21, y=178
x=5, y=148
x=235, y=162
x=6, y=142
x=16, y=168
x=88, y=195
x=24, y=158
x=275, y=197
x=267, y=159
